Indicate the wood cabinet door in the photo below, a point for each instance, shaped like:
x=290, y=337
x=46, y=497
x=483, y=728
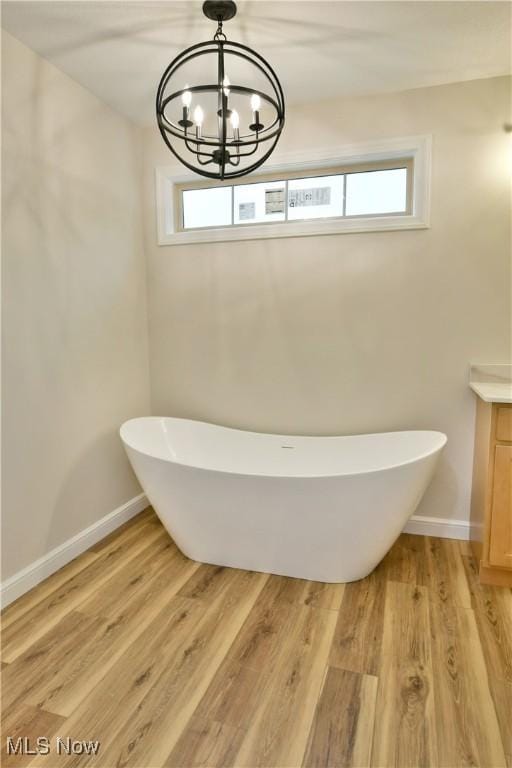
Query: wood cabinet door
x=500, y=552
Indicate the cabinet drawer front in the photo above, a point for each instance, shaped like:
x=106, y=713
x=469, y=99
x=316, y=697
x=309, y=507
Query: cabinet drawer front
x=504, y=424
x=500, y=550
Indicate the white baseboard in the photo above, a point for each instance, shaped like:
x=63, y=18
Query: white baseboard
x=443, y=527
x=33, y=574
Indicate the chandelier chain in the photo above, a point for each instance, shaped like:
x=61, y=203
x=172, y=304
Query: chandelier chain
x=219, y=34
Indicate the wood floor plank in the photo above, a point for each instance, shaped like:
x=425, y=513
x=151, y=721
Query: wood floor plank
x=462, y=693
x=234, y=694
x=77, y=676
x=28, y=601
x=465, y=548
x=162, y=677
x=157, y=724
x=104, y=712
x=86, y=642
x=36, y=668
x=278, y=731
x=262, y=634
x=342, y=731
x=318, y=595
x=358, y=637
x=443, y=572
x=404, y=560
x=501, y=693
x=282, y=590
x=124, y=583
x=28, y=723
x=235, y=691
x=463, y=687
x=21, y=634
x=405, y=727
x=206, y=582
x=493, y=612
x=206, y=744
x=300, y=591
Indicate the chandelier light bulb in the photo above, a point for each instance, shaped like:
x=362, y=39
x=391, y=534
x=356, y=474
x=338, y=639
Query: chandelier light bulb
x=186, y=98
x=255, y=102
x=198, y=116
x=235, y=119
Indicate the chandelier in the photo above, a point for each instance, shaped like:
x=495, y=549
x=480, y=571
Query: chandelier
x=229, y=127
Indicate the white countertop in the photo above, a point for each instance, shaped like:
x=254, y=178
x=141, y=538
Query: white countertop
x=493, y=391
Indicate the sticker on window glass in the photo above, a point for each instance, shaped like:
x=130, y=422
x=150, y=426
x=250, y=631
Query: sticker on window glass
x=246, y=211
x=274, y=200
x=315, y=196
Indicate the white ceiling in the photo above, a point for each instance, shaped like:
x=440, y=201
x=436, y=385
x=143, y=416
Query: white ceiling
x=319, y=49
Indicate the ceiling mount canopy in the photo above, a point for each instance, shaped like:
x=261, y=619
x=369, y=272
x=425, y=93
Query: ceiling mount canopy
x=219, y=10
x=227, y=124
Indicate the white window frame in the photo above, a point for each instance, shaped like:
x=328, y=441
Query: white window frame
x=419, y=148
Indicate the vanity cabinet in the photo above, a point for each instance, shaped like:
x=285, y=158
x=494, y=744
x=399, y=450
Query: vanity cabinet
x=491, y=498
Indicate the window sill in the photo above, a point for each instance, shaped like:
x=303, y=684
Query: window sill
x=312, y=227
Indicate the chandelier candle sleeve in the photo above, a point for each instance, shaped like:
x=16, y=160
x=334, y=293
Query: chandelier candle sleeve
x=235, y=124
x=186, y=101
x=256, y=126
x=198, y=120
x=244, y=113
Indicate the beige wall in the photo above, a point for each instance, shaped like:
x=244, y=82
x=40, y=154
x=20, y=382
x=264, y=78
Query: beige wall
x=74, y=316
x=351, y=333
x=323, y=335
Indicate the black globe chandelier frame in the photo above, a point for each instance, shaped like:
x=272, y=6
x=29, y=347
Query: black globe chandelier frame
x=224, y=151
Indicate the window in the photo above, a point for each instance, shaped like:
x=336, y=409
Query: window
x=255, y=203
x=206, y=207
x=316, y=197
x=375, y=192
x=361, y=192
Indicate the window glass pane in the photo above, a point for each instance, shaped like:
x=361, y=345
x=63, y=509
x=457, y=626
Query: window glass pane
x=315, y=198
x=207, y=207
x=256, y=203
x=376, y=192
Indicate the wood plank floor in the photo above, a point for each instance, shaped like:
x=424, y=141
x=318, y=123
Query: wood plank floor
x=170, y=663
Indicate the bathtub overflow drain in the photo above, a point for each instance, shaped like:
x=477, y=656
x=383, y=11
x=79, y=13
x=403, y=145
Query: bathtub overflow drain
x=287, y=446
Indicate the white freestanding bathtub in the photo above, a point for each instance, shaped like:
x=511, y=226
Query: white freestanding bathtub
x=320, y=508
